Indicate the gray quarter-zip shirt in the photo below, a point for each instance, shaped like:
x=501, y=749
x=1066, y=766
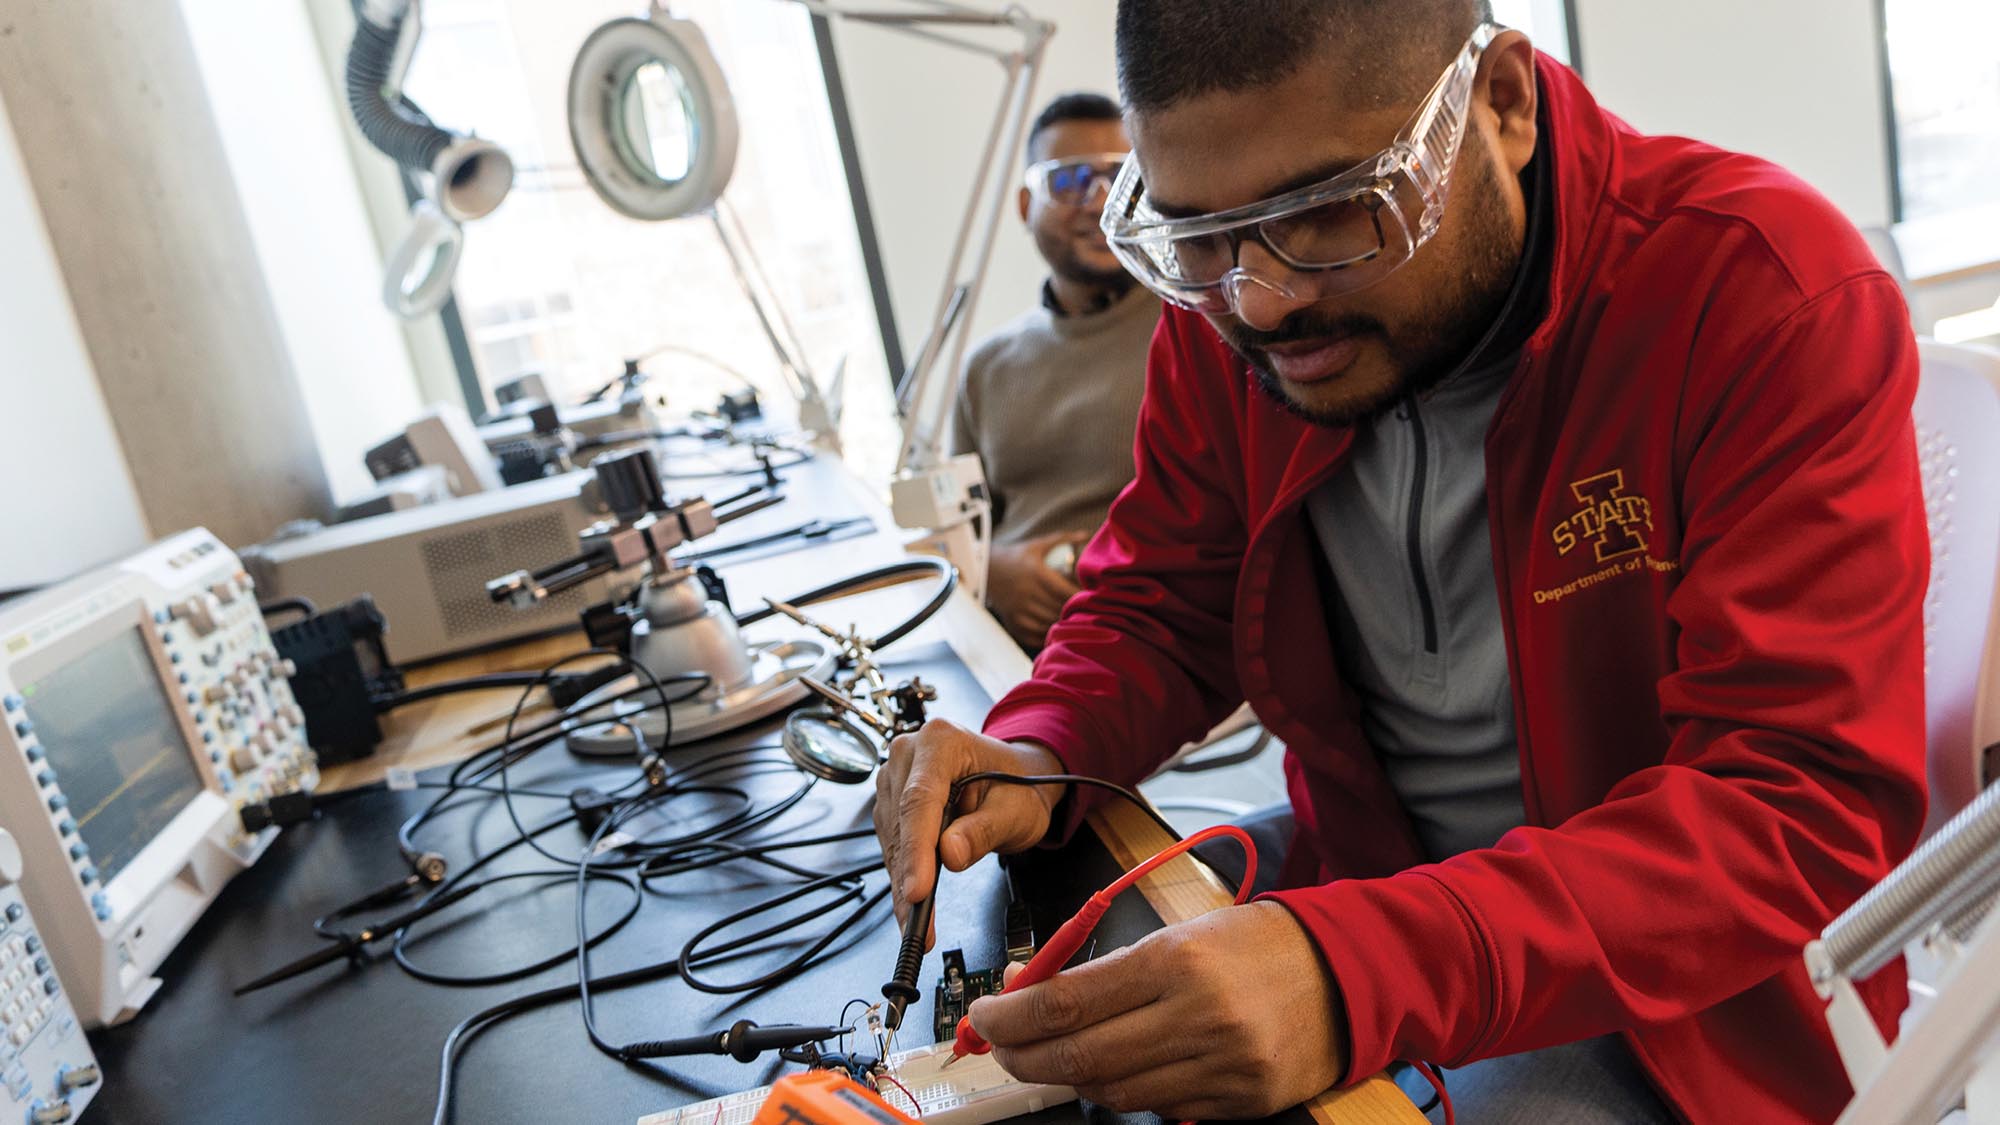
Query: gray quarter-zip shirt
x=1416, y=623
x=1416, y=610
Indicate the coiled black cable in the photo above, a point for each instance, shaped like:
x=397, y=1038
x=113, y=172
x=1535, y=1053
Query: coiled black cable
x=639, y=863
x=913, y=567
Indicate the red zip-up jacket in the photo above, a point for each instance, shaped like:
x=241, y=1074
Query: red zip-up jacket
x=1709, y=544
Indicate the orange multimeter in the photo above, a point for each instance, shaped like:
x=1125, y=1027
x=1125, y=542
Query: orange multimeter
x=826, y=1097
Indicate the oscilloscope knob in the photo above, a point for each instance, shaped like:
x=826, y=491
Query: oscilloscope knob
x=10, y=859
x=198, y=611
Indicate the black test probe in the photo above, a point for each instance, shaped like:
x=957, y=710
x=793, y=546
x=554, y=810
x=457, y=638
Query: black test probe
x=902, y=987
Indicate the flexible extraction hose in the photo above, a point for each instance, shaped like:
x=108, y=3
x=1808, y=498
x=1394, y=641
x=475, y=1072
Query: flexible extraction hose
x=398, y=128
x=472, y=175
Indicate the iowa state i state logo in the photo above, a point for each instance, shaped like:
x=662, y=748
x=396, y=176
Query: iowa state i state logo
x=1614, y=524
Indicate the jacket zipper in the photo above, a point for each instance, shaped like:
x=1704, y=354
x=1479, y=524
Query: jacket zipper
x=1414, y=530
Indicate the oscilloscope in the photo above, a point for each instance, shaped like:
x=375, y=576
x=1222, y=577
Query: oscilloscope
x=141, y=706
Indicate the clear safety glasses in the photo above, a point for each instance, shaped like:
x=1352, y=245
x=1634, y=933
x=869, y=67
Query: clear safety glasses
x=1075, y=181
x=1332, y=237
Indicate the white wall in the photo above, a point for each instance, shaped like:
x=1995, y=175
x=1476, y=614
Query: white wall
x=1795, y=81
x=283, y=132
x=68, y=501
x=921, y=113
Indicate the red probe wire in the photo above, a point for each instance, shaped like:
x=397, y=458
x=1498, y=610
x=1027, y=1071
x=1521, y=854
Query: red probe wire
x=1437, y=1083
x=1070, y=937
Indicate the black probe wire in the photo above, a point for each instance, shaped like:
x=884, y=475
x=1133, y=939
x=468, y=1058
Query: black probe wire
x=321, y=925
x=707, y=853
x=676, y=863
x=530, y=741
x=1030, y=780
x=523, y=837
x=585, y=982
x=588, y=865
x=475, y=770
x=692, y=857
x=549, y=878
x=638, y=739
x=583, y=867
x=596, y=869
x=946, y=574
x=550, y=730
x=490, y=681
x=714, y=851
x=851, y=889
x=403, y=937
x=454, y=1044
x=507, y=752
x=510, y=751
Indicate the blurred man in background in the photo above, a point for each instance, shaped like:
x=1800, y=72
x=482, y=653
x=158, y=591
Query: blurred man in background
x=1050, y=401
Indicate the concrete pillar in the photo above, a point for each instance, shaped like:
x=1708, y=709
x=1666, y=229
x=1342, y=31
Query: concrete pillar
x=115, y=128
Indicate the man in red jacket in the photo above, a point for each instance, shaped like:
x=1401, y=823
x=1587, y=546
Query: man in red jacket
x=1550, y=490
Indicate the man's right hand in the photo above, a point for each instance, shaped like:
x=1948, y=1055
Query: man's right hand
x=910, y=794
x=1026, y=592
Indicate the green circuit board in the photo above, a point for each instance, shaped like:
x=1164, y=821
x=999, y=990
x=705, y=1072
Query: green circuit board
x=956, y=990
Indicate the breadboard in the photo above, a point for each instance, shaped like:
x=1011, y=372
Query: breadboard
x=973, y=1091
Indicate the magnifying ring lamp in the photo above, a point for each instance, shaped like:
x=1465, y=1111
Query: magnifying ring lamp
x=417, y=277
x=601, y=88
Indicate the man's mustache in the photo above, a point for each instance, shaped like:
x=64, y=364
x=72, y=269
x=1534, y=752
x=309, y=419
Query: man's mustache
x=1304, y=326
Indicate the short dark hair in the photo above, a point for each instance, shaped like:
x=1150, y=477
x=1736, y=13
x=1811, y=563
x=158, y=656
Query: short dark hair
x=1077, y=106
x=1172, y=50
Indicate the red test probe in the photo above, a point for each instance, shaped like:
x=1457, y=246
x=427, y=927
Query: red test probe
x=1070, y=938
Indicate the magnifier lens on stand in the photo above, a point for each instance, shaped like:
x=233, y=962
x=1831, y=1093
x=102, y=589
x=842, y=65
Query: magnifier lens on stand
x=651, y=118
x=657, y=130
x=830, y=748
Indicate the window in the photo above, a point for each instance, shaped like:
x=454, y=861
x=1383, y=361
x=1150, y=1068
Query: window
x=556, y=283
x=1545, y=21
x=1944, y=77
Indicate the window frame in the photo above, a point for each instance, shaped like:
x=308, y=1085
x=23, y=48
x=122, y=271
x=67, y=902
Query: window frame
x=1891, y=131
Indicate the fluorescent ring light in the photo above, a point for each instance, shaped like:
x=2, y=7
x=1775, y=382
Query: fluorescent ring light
x=651, y=118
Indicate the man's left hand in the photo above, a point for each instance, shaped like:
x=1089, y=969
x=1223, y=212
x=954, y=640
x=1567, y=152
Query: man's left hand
x=1231, y=1015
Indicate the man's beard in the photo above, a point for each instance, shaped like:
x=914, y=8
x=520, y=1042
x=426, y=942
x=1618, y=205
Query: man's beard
x=1436, y=340
x=1069, y=266
x=1061, y=251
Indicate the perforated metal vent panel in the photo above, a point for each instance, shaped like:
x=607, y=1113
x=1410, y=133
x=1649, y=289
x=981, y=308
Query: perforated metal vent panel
x=1939, y=460
x=1957, y=415
x=459, y=566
